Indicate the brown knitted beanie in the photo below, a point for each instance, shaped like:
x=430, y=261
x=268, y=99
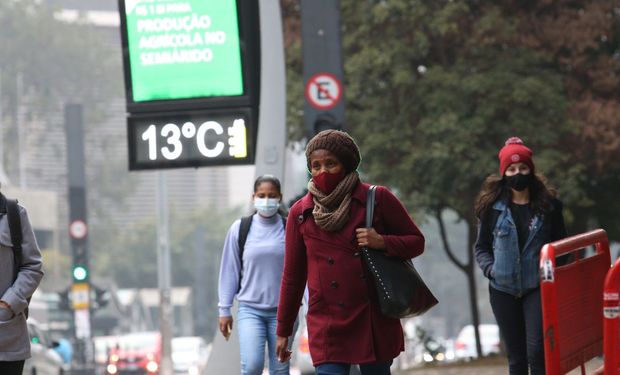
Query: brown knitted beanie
x=338, y=143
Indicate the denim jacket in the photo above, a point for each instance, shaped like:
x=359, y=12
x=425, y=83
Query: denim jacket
x=514, y=271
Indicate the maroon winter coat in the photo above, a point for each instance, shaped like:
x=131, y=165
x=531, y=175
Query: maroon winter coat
x=344, y=322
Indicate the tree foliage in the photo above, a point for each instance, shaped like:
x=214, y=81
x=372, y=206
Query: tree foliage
x=441, y=84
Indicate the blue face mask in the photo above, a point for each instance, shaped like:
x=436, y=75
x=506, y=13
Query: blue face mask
x=266, y=207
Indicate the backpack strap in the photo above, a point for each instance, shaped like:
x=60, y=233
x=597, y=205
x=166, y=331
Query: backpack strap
x=244, y=229
x=15, y=227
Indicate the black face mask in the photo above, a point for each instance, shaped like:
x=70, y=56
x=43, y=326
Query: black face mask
x=519, y=181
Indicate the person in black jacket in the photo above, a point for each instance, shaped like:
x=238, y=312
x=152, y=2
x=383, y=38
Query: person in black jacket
x=518, y=213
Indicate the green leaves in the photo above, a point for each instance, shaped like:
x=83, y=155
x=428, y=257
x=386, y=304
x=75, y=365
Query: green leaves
x=430, y=116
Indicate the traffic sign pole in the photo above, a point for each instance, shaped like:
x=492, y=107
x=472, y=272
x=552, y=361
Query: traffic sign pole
x=78, y=231
x=322, y=59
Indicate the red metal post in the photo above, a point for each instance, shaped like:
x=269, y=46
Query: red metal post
x=611, y=328
x=550, y=310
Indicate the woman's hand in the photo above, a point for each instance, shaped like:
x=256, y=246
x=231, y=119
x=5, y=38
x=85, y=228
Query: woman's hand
x=368, y=237
x=284, y=355
x=5, y=306
x=226, y=323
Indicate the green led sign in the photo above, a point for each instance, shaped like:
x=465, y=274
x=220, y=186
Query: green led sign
x=183, y=49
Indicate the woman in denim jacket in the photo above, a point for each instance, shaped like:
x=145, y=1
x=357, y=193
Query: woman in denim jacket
x=518, y=214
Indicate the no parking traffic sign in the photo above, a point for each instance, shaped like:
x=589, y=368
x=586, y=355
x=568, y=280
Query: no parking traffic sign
x=323, y=91
x=78, y=229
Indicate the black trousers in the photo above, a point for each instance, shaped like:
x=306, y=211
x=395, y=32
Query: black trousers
x=12, y=368
x=520, y=323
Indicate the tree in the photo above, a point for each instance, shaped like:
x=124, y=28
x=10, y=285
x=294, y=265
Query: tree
x=441, y=87
x=583, y=39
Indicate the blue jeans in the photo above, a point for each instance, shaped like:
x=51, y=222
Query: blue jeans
x=255, y=327
x=379, y=368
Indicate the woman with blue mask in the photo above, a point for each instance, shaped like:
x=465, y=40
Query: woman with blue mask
x=251, y=270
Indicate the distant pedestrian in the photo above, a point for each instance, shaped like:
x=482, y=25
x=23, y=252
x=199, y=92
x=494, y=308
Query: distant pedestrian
x=251, y=270
x=64, y=349
x=20, y=274
x=518, y=213
x=324, y=233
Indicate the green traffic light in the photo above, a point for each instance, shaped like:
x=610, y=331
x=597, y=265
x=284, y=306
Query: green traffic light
x=80, y=273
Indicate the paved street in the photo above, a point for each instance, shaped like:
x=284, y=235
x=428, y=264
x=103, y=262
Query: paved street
x=489, y=367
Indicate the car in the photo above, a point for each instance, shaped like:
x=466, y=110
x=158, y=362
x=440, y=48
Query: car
x=44, y=360
x=465, y=344
x=189, y=355
x=103, y=346
x=135, y=353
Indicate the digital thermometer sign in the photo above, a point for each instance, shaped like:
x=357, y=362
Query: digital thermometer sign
x=192, y=79
x=190, y=139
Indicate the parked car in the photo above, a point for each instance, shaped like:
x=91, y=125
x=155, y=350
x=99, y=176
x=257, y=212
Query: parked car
x=136, y=353
x=465, y=344
x=189, y=355
x=44, y=360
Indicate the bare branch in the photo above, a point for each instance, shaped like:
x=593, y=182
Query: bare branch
x=446, y=245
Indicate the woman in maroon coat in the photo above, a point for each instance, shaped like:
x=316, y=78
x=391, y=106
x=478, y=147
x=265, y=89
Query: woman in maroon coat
x=324, y=232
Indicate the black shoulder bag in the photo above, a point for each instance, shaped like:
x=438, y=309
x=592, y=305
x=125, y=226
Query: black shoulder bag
x=401, y=291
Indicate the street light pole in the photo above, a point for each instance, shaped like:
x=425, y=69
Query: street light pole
x=163, y=274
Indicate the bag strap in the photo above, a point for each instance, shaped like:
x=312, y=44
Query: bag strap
x=244, y=229
x=15, y=227
x=370, y=205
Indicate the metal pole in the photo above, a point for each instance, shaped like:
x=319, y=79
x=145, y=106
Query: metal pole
x=323, y=70
x=163, y=263
x=4, y=180
x=78, y=229
x=21, y=134
x=271, y=140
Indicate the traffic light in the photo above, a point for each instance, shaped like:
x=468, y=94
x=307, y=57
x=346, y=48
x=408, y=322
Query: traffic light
x=80, y=273
x=65, y=300
x=102, y=297
x=326, y=121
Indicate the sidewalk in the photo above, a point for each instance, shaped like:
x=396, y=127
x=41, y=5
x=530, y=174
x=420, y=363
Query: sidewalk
x=487, y=366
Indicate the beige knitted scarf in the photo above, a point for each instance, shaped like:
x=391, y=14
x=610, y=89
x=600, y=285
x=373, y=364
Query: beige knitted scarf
x=331, y=212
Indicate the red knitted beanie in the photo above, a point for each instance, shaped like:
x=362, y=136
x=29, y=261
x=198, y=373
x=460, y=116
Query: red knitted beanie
x=514, y=151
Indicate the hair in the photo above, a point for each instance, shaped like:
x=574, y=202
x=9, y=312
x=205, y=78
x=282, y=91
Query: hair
x=270, y=179
x=494, y=188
